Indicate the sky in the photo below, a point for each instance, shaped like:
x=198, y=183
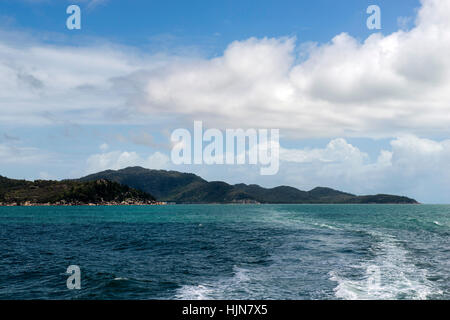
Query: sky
x=359, y=110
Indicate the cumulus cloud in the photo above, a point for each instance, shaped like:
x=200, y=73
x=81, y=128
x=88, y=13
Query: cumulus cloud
x=413, y=166
x=118, y=160
x=338, y=150
x=385, y=86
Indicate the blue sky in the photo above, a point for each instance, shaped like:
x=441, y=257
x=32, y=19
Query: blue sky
x=365, y=111
x=210, y=25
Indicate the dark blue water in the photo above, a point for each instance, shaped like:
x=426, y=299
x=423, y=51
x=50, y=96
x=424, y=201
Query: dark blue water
x=227, y=252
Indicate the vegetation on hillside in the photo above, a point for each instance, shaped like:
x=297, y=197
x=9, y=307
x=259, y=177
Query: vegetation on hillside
x=188, y=188
x=68, y=191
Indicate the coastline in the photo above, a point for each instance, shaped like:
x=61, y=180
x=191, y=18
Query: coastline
x=162, y=203
x=72, y=204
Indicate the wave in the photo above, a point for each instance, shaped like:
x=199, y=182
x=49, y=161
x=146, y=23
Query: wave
x=295, y=220
x=326, y=226
x=218, y=289
x=199, y=292
x=389, y=275
x=120, y=279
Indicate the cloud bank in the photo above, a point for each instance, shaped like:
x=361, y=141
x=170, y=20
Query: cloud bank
x=118, y=160
x=386, y=86
x=412, y=166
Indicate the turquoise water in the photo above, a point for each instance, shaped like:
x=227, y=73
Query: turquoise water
x=227, y=252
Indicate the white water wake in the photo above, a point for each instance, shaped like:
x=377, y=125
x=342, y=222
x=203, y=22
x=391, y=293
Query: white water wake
x=390, y=275
x=219, y=289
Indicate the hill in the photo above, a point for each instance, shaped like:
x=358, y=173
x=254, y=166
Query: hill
x=174, y=186
x=69, y=192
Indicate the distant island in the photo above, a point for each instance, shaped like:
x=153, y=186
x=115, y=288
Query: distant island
x=179, y=187
x=140, y=186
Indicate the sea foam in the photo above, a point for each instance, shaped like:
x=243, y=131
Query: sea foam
x=389, y=275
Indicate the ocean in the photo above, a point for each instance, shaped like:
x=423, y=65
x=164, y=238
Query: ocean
x=227, y=252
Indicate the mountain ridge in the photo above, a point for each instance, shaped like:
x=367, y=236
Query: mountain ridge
x=179, y=187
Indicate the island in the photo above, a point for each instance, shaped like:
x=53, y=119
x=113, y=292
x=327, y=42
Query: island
x=179, y=187
x=140, y=186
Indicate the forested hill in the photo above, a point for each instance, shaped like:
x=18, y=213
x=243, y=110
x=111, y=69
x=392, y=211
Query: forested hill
x=189, y=188
x=69, y=192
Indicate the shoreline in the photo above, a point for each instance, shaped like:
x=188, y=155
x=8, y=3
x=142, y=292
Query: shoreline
x=162, y=203
x=106, y=204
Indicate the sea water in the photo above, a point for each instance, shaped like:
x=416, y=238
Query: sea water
x=227, y=252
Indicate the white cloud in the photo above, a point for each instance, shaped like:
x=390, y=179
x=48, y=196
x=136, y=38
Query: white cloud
x=104, y=147
x=338, y=150
x=387, y=85
x=40, y=82
x=10, y=154
x=157, y=160
x=118, y=160
x=383, y=87
x=413, y=166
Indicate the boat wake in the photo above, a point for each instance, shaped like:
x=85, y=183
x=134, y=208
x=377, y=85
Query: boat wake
x=389, y=275
x=220, y=289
